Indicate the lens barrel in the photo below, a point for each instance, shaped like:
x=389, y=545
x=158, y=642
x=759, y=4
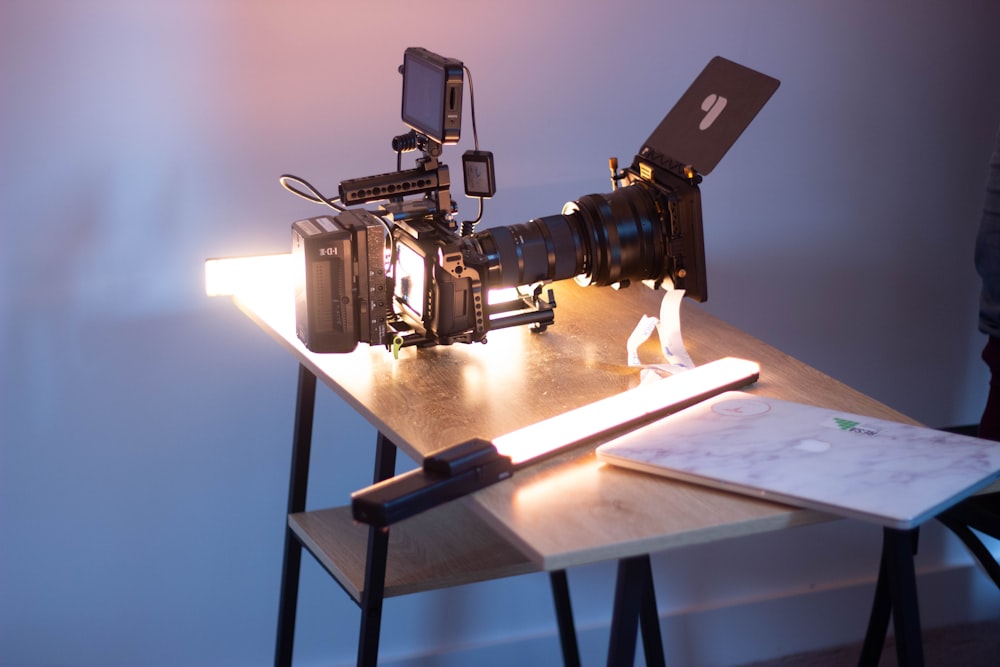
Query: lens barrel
x=601, y=239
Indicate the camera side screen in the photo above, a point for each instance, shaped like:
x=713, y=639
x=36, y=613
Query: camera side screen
x=410, y=280
x=432, y=95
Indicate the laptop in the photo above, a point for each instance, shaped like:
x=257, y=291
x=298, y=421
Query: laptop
x=893, y=474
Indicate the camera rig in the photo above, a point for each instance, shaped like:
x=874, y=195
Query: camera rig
x=405, y=274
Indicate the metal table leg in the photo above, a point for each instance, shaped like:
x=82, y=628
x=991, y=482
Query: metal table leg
x=372, y=596
x=635, y=603
x=377, y=553
x=305, y=403
x=564, y=616
x=895, y=596
x=373, y=593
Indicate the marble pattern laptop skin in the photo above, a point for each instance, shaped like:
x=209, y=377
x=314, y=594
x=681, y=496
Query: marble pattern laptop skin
x=897, y=475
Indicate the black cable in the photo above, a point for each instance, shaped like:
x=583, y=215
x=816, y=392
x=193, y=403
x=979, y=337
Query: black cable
x=469, y=226
x=472, y=106
x=317, y=197
x=314, y=195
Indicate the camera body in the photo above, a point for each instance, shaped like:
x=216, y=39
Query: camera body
x=405, y=275
x=435, y=292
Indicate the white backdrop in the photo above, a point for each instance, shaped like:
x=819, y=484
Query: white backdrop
x=144, y=427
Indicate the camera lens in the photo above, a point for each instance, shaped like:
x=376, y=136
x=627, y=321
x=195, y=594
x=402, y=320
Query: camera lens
x=599, y=239
x=548, y=248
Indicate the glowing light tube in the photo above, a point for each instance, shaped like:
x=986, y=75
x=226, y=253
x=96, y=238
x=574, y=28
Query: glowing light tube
x=616, y=412
x=467, y=467
x=235, y=276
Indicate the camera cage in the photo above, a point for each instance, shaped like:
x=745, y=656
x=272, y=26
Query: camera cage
x=434, y=289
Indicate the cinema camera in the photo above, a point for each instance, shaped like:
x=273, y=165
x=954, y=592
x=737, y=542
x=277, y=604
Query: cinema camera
x=406, y=275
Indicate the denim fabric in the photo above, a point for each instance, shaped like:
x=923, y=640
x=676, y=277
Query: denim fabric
x=989, y=424
x=988, y=250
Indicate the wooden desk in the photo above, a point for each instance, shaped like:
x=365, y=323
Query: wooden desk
x=614, y=513
x=430, y=399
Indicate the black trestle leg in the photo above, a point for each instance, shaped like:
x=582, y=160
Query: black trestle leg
x=901, y=546
x=564, y=617
x=305, y=404
x=372, y=596
x=895, y=597
x=649, y=620
x=635, y=602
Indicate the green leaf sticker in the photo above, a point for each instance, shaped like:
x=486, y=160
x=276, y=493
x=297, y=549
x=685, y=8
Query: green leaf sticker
x=845, y=424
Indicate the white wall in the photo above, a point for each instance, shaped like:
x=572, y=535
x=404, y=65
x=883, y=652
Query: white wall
x=144, y=428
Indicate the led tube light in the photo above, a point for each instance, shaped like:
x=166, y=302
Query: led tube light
x=626, y=408
x=233, y=276
x=469, y=466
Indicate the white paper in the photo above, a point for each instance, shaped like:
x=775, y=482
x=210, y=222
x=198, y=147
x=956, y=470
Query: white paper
x=668, y=328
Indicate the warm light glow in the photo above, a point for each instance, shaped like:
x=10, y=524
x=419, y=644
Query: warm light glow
x=233, y=276
x=502, y=295
x=266, y=281
x=555, y=489
x=622, y=409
